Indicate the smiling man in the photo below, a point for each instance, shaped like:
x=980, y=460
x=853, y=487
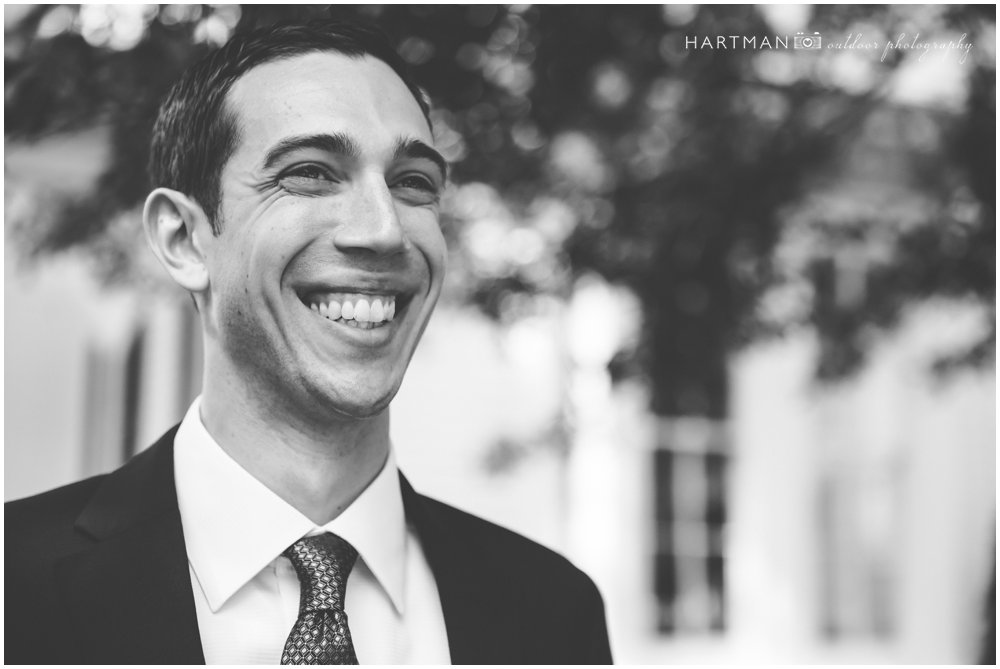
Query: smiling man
x=297, y=201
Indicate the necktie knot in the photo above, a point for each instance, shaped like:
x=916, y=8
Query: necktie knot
x=321, y=634
x=322, y=562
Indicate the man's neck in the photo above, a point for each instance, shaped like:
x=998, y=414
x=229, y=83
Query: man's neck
x=320, y=470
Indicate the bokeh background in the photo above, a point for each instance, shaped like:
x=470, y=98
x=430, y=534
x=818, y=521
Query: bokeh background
x=719, y=324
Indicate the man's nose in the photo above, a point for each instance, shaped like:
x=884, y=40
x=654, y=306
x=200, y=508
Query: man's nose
x=371, y=222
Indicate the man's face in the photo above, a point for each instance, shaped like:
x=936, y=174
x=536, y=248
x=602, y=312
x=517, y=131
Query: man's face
x=330, y=257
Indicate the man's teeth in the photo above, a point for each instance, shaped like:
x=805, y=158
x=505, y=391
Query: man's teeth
x=356, y=311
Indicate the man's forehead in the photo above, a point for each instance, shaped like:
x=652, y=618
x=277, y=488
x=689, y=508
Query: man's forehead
x=312, y=91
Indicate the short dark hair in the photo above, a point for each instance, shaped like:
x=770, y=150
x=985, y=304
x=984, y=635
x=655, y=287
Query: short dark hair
x=195, y=135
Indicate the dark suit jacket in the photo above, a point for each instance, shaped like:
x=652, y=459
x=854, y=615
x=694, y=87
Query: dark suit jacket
x=97, y=572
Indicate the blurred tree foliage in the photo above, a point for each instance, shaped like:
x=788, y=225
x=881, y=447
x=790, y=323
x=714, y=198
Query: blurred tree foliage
x=738, y=193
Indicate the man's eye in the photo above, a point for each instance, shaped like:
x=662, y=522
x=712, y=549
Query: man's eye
x=308, y=180
x=417, y=190
x=308, y=172
x=417, y=182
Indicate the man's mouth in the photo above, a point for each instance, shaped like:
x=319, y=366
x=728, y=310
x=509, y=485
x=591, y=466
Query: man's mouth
x=354, y=310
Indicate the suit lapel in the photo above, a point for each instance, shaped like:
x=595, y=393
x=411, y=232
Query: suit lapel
x=130, y=593
x=479, y=612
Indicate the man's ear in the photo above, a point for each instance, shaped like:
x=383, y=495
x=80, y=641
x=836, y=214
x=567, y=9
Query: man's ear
x=176, y=228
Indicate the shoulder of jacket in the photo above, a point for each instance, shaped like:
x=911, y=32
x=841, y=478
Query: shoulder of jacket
x=514, y=551
x=53, y=510
x=45, y=515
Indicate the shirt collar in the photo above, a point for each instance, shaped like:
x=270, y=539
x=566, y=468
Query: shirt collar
x=235, y=526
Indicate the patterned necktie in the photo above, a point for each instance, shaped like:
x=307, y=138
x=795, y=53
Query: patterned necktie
x=321, y=635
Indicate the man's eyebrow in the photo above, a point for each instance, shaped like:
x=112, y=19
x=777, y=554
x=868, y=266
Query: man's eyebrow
x=337, y=143
x=414, y=148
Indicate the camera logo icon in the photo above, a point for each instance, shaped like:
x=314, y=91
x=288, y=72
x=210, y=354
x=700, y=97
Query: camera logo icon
x=802, y=41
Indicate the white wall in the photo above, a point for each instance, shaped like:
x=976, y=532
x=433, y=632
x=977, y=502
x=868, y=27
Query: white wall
x=919, y=457
x=51, y=315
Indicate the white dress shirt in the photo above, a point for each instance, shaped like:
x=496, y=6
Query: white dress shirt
x=247, y=594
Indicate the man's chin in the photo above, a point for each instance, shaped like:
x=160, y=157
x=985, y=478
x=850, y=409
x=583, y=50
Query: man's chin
x=361, y=412
x=357, y=405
